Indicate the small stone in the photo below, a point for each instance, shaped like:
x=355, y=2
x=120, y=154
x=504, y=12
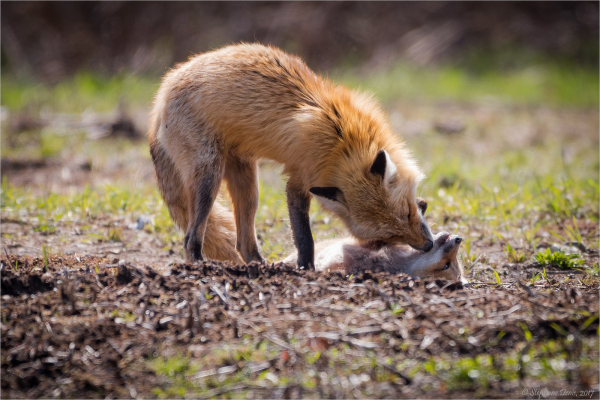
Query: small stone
x=578, y=245
x=565, y=249
x=389, y=327
x=142, y=221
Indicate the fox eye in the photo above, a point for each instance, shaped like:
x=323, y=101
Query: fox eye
x=446, y=266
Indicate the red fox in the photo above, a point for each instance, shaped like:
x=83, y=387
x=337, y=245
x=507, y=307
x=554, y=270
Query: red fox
x=215, y=115
x=351, y=257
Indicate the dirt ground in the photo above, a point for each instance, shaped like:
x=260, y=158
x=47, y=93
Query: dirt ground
x=86, y=327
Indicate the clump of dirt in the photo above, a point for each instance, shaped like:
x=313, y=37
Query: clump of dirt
x=87, y=328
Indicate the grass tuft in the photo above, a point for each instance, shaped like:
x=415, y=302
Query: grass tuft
x=559, y=259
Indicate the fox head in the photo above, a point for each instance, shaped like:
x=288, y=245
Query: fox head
x=441, y=261
x=378, y=202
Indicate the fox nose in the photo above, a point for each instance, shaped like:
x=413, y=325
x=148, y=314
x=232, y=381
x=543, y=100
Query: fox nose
x=458, y=240
x=428, y=246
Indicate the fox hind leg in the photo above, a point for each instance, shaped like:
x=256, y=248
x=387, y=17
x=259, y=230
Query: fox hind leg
x=241, y=176
x=170, y=184
x=203, y=188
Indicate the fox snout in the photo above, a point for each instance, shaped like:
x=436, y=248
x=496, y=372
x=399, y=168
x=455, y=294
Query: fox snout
x=446, y=241
x=426, y=247
x=453, y=242
x=426, y=239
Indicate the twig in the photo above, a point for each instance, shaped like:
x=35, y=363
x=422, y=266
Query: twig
x=215, y=371
x=256, y=285
x=359, y=343
x=8, y=259
x=384, y=296
x=433, y=301
x=219, y=391
x=509, y=311
x=279, y=342
x=527, y=289
x=120, y=292
x=476, y=261
x=196, y=308
x=323, y=301
x=236, y=333
x=448, y=302
x=202, y=296
x=220, y=294
x=258, y=367
x=406, y=379
x=572, y=271
x=100, y=285
x=251, y=325
x=509, y=284
x=365, y=330
x=190, y=319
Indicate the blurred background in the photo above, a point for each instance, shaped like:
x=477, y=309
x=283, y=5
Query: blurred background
x=523, y=52
x=53, y=40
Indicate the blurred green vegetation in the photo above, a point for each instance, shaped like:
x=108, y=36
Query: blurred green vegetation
x=509, y=77
x=538, y=362
x=85, y=91
x=527, y=80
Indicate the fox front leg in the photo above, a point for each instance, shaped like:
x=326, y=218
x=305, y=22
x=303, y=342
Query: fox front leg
x=298, y=202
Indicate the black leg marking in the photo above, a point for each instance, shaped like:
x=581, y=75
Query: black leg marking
x=205, y=197
x=193, y=247
x=298, y=206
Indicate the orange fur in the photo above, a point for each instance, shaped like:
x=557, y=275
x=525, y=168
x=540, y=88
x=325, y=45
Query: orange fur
x=215, y=115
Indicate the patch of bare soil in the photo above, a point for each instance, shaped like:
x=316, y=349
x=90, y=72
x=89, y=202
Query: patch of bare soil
x=87, y=327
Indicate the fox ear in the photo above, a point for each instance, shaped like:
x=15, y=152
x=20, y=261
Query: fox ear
x=383, y=166
x=422, y=204
x=331, y=193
